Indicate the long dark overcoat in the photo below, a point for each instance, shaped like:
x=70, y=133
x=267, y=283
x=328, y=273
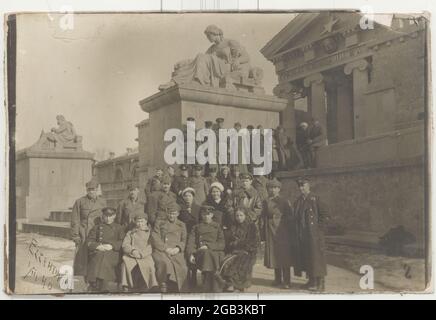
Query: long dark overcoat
x=310, y=217
x=86, y=213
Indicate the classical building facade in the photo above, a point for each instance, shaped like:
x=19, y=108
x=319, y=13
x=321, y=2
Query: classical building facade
x=367, y=88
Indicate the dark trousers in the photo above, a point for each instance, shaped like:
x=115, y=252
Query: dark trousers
x=282, y=275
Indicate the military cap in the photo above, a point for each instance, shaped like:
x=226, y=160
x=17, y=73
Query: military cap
x=208, y=123
x=92, y=184
x=108, y=211
x=302, y=180
x=237, y=124
x=140, y=215
x=250, y=127
x=173, y=207
x=188, y=189
x=206, y=210
x=158, y=169
x=219, y=120
x=198, y=167
x=213, y=169
x=224, y=167
x=274, y=183
x=217, y=185
x=246, y=176
x=166, y=179
x=183, y=167
x=190, y=119
x=132, y=186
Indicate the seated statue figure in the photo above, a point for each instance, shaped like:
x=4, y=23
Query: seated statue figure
x=224, y=63
x=64, y=133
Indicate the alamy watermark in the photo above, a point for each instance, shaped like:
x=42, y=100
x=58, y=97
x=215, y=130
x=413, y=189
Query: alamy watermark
x=222, y=146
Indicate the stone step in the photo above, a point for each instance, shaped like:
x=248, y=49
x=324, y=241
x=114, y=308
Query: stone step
x=362, y=239
x=48, y=228
x=60, y=215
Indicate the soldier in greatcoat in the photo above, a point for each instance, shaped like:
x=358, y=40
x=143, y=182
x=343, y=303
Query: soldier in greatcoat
x=205, y=249
x=168, y=240
x=104, y=244
x=277, y=214
x=137, y=268
x=149, y=185
x=310, y=217
x=86, y=213
x=199, y=184
x=190, y=215
x=181, y=181
x=129, y=208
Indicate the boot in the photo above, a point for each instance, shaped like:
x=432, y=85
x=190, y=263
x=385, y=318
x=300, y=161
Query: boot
x=277, y=277
x=286, y=278
x=311, y=284
x=321, y=284
x=163, y=287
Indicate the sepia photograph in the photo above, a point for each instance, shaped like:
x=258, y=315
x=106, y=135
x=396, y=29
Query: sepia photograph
x=218, y=153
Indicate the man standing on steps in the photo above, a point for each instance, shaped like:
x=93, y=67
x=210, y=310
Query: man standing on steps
x=87, y=212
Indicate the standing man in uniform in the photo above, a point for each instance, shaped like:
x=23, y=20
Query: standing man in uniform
x=310, y=216
x=129, y=208
x=86, y=213
x=181, y=182
x=158, y=175
x=199, y=184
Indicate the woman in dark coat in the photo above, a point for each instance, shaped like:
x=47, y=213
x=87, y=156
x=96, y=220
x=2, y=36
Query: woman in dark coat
x=243, y=242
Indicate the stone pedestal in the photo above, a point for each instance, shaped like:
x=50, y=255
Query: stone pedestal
x=170, y=108
x=49, y=179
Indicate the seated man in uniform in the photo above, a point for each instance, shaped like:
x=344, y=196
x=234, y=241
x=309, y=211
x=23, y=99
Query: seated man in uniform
x=104, y=244
x=168, y=240
x=205, y=249
x=137, y=268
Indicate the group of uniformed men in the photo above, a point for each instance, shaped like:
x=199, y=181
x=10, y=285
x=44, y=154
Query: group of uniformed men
x=191, y=222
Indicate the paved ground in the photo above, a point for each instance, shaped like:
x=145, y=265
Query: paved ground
x=40, y=257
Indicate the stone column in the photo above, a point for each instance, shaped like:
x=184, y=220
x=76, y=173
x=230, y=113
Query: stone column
x=287, y=116
x=317, y=98
x=360, y=82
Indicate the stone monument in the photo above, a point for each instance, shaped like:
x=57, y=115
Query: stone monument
x=51, y=173
x=218, y=83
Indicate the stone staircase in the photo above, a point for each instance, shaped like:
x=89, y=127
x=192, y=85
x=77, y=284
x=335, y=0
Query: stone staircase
x=56, y=225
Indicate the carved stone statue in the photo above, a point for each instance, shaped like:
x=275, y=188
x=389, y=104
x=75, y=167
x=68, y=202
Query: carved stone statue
x=225, y=64
x=63, y=137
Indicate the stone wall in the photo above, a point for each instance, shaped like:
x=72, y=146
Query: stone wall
x=114, y=175
x=45, y=184
x=371, y=197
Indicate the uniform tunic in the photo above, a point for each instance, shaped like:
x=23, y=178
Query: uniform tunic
x=180, y=183
x=211, y=235
x=104, y=264
x=253, y=203
x=127, y=210
x=310, y=217
x=199, y=184
x=86, y=213
x=158, y=204
x=165, y=235
x=277, y=220
x=140, y=241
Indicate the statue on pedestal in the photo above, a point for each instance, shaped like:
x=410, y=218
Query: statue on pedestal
x=63, y=137
x=225, y=64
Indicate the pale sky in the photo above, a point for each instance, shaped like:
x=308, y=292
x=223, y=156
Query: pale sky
x=96, y=73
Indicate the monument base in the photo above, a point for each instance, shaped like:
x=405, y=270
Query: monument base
x=49, y=180
x=169, y=109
